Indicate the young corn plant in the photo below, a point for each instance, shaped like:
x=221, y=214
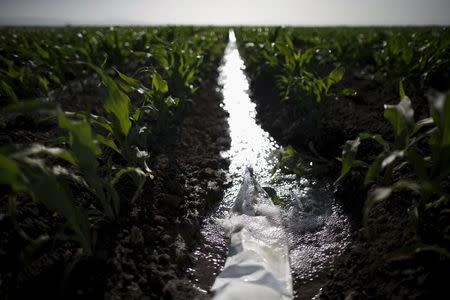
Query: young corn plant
x=296, y=77
x=85, y=150
x=301, y=164
x=121, y=132
x=290, y=66
x=431, y=164
x=26, y=171
x=157, y=110
x=124, y=134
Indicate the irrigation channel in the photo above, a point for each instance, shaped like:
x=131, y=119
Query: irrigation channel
x=317, y=229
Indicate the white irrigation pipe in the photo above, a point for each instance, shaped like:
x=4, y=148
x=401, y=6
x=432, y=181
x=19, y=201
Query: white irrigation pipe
x=257, y=266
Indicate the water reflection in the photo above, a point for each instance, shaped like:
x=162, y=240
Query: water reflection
x=250, y=144
x=316, y=227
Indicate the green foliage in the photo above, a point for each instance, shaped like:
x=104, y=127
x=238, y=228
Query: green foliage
x=430, y=165
x=273, y=195
x=102, y=152
x=301, y=164
x=302, y=60
x=117, y=105
x=85, y=151
x=290, y=66
x=35, y=61
x=26, y=171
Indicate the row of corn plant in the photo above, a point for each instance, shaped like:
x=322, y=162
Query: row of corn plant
x=36, y=61
x=99, y=151
x=417, y=162
x=272, y=51
x=309, y=61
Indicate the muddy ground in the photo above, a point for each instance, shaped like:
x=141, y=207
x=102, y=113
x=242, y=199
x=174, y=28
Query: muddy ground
x=371, y=268
x=145, y=254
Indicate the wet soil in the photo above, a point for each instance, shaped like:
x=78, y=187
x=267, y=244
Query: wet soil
x=371, y=268
x=145, y=254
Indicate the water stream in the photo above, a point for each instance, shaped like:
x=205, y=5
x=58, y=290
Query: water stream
x=317, y=228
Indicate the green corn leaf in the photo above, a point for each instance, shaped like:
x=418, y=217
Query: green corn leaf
x=117, y=104
x=43, y=83
x=125, y=87
x=374, y=169
x=7, y=89
x=349, y=92
x=82, y=141
x=139, y=177
x=306, y=56
x=159, y=84
x=348, y=157
x=401, y=90
x=43, y=53
x=335, y=76
x=38, y=149
x=129, y=80
x=401, y=117
x=10, y=174
x=289, y=41
x=126, y=171
x=107, y=142
x=270, y=59
x=95, y=119
x=55, y=79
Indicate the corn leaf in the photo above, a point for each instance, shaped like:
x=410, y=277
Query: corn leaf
x=159, y=84
x=348, y=157
x=401, y=117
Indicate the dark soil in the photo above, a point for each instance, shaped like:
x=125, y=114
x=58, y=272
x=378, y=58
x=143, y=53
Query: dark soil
x=370, y=268
x=189, y=176
x=375, y=267
x=145, y=254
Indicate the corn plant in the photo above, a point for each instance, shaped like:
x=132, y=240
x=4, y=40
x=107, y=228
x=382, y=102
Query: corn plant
x=27, y=171
x=36, y=62
x=124, y=135
x=431, y=164
x=85, y=151
x=295, y=75
x=302, y=164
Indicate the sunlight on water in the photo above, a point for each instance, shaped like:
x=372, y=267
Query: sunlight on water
x=316, y=227
x=250, y=144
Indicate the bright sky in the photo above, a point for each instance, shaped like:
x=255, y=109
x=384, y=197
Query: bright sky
x=231, y=12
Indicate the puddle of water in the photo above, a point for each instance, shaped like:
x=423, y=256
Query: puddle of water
x=316, y=227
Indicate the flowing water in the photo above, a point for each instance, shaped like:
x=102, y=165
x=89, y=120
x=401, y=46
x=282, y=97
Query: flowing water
x=317, y=228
